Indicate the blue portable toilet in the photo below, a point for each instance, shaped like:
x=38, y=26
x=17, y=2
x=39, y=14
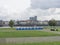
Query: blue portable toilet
x=29, y=28
x=35, y=28
x=25, y=28
x=19, y=28
x=22, y=28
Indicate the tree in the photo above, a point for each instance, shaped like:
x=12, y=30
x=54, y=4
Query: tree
x=52, y=23
x=11, y=23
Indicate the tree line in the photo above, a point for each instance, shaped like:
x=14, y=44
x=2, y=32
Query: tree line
x=51, y=23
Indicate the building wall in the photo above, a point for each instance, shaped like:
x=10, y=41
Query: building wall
x=33, y=18
x=27, y=23
x=5, y=23
x=1, y=23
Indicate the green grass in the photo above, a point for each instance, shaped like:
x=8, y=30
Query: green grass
x=41, y=43
x=49, y=27
x=7, y=29
x=12, y=32
x=45, y=27
x=26, y=34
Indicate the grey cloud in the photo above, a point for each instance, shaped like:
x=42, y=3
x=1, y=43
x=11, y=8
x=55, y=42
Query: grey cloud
x=45, y=4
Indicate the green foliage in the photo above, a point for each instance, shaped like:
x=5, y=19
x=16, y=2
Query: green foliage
x=52, y=23
x=11, y=23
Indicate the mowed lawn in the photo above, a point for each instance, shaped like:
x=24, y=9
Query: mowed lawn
x=7, y=29
x=26, y=34
x=12, y=32
x=49, y=27
x=41, y=43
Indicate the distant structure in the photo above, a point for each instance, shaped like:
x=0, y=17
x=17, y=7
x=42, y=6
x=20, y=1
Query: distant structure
x=1, y=23
x=33, y=18
x=32, y=21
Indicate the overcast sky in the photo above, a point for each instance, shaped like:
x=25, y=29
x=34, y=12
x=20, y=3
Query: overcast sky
x=12, y=9
x=45, y=4
x=23, y=9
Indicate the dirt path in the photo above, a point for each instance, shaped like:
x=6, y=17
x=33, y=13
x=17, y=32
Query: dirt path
x=30, y=39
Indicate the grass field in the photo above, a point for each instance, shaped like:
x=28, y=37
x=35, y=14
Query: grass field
x=7, y=29
x=45, y=27
x=26, y=34
x=12, y=32
x=41, y=43
x=49, y=27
